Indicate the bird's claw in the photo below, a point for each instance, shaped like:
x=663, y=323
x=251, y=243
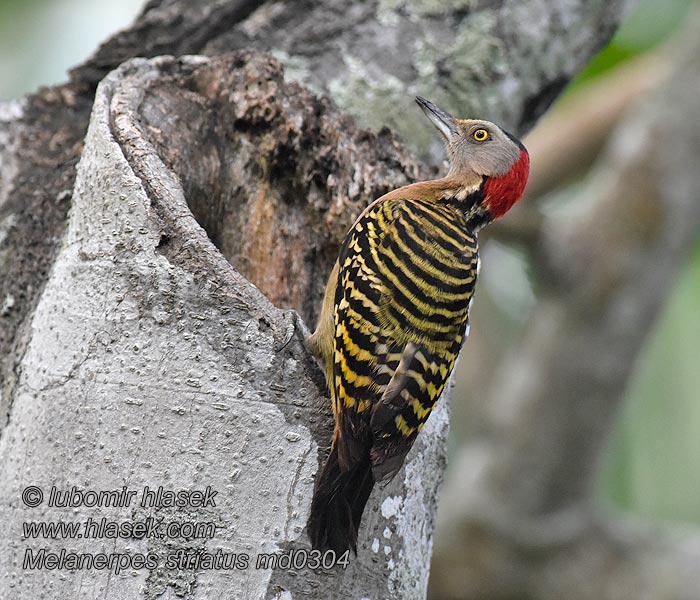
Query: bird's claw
x=295, y=326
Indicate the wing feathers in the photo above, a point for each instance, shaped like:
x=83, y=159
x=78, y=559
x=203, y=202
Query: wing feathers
x=406, y=274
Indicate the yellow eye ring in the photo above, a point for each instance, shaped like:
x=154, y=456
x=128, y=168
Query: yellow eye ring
x=480, y=135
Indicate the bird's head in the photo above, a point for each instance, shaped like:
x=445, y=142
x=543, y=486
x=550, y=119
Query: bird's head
x=482, y=156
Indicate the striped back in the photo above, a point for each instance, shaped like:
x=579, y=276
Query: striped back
x=407, y=275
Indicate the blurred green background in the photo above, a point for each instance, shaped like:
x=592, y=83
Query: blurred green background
x=41, y=39
x=653, y=464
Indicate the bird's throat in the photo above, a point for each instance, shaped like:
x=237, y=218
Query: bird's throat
x=501, y=193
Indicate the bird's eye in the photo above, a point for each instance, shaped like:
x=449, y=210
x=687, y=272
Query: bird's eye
x=480, y=135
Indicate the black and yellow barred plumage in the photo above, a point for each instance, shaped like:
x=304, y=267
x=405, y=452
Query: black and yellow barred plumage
x=392, y=325
x=407, y=274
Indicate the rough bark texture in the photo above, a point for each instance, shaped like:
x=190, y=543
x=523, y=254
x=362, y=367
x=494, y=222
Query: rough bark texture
x=503, y=60
x=134, y=354
x=521, y=521
x=153, y=362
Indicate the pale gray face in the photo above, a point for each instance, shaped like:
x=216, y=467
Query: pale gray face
x=473, y=146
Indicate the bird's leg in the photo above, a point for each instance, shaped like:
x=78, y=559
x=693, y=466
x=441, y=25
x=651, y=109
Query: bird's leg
x=295, y=326
x=312, y=345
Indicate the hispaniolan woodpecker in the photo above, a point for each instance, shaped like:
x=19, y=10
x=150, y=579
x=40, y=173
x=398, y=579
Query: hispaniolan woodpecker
x=395, y=313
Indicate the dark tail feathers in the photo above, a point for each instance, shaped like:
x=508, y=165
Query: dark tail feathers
x=338, y=503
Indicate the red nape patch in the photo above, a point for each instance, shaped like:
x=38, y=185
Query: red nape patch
x=500, y=193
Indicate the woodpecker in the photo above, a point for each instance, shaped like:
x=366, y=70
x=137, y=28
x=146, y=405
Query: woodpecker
x=395, y=311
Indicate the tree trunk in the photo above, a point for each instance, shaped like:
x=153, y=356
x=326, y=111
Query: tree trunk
x=137, y=353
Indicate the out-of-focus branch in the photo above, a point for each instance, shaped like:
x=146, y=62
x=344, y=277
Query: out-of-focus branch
x=518, y=519
x=570, y=137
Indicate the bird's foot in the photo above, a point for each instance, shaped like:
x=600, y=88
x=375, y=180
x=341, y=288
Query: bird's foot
x=295, y=327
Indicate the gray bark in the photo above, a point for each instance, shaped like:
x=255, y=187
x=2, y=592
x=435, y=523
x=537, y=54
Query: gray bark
x=153, y=362
x=134, y=354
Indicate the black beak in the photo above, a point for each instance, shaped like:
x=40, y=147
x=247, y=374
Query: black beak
x=441, y=119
